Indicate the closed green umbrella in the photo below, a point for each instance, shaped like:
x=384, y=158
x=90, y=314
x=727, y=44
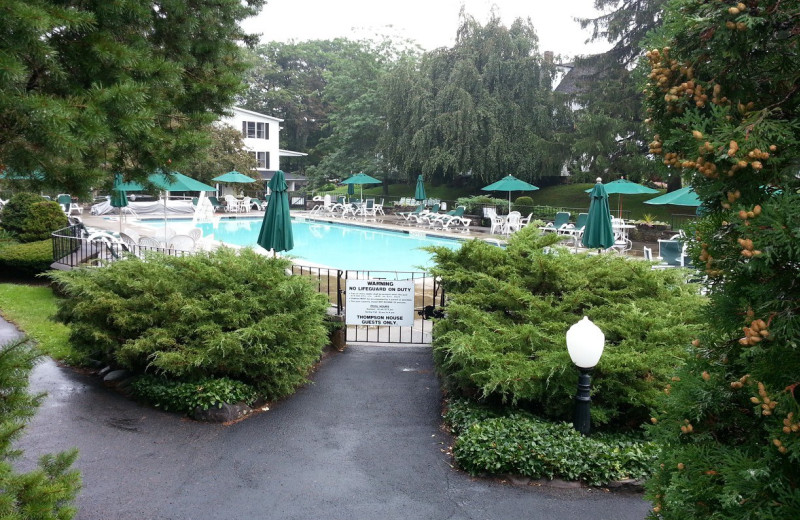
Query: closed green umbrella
x=351, y=189
x=682, y=197
x=276, y=229
x=599, y=232
x=119, y=199
x=419, y=193
x=510, y=183
x=624, y=187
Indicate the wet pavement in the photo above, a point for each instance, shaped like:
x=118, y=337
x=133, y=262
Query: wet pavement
x=362, y=441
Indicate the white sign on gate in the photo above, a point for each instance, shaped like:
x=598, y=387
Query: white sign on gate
x=380, y=302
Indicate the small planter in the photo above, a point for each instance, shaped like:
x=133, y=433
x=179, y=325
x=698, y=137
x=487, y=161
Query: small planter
x=649, y=233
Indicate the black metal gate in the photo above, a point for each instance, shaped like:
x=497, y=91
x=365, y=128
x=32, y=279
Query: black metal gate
x=428, y=302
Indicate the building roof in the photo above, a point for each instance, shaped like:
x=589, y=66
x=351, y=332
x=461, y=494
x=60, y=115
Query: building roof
x=290, y=153
x=257, y=114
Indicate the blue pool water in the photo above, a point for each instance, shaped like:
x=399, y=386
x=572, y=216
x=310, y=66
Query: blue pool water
x=336, y=245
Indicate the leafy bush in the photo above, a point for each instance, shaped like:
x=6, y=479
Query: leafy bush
x=219, y=314
x=503, y=336
x=184, y=397
x=17, y=211
x=43, y=218
x=26, y=259
x=520, y=444
x=523, y=204
x=476, y=204
x=49, y=490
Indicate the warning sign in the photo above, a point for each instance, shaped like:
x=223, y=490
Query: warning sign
x=380, y=302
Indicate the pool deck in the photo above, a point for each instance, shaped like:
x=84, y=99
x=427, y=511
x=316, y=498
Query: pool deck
x=389, y=222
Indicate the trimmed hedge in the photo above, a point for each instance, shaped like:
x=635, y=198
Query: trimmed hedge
x=221, y=314
x=43, y=218
x=26, y=259
x=503, y=336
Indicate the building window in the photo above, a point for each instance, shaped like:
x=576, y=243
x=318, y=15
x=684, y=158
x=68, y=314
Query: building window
x=262, y=160
x=255, y=130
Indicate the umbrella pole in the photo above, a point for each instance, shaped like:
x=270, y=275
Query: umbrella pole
x=165, y=218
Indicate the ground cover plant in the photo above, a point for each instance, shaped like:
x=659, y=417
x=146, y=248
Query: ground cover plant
x=233, y=314
x=503, y=337
x=493, y=440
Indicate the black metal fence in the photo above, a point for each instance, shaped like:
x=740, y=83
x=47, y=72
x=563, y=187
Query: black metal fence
x=428, y=302
x=74, y=246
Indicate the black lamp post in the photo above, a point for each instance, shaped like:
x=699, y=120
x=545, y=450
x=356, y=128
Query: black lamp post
x=585, y=345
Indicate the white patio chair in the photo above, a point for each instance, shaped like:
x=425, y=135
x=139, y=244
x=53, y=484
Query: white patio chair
x=231, y=204
x=196, y=233
x=513, y=223
x=181, y=243
x=496, y=222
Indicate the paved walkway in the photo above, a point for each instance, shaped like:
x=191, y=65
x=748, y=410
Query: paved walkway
x=363, y=441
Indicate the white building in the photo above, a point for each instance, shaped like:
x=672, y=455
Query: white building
x=261, y=135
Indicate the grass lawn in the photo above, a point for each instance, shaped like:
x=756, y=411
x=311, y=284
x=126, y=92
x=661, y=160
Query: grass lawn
x=570, y=196
x=31, y=308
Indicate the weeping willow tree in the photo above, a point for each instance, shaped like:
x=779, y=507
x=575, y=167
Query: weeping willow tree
x=483, y=108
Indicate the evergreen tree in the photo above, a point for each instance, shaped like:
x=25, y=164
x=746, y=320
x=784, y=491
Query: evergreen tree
x=724, y=104
x=92, y=88
x=482, y=108
x=610, y=138
x=47, y=492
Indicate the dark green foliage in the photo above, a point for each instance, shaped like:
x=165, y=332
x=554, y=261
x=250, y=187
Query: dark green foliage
x=222, y=314
x=475, y=204
x=47, y=492
x=93, y=88
x=483, y=107
x=44, y=218
x=26, y=259
x=523, y=204
x=518, y=443
x=185, y=397
x=730, y=424
x=503, y=337
x=17, y=211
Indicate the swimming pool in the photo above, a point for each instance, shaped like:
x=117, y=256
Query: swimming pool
x=335, y=245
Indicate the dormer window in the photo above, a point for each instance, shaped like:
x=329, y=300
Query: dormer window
x=255, y=130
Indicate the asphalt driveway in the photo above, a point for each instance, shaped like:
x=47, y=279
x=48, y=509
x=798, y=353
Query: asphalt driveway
x=363, y=441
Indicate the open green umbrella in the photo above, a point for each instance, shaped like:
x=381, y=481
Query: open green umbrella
x=276, y=229
x=234, y=176
x=175, y=181
x=599, y=232
x=682, y=197
x=510, y=183
x=624, y=187
x=361, y=179
x=419, y=193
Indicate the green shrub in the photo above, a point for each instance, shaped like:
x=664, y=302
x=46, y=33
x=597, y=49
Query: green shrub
x=184, y=397
x=508, y=311
x=219, y=314
x=476, y=204
x=26, y=259
x=43, y=218
x=520, y=444
x=16, y=212
x=523, y=204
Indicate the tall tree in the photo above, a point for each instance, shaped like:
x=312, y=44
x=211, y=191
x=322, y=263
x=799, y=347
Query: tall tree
x=482, y=108
x=225, y=152
x=610, y=138
x=92, y=88
x=355, y=94
x=724, y=101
